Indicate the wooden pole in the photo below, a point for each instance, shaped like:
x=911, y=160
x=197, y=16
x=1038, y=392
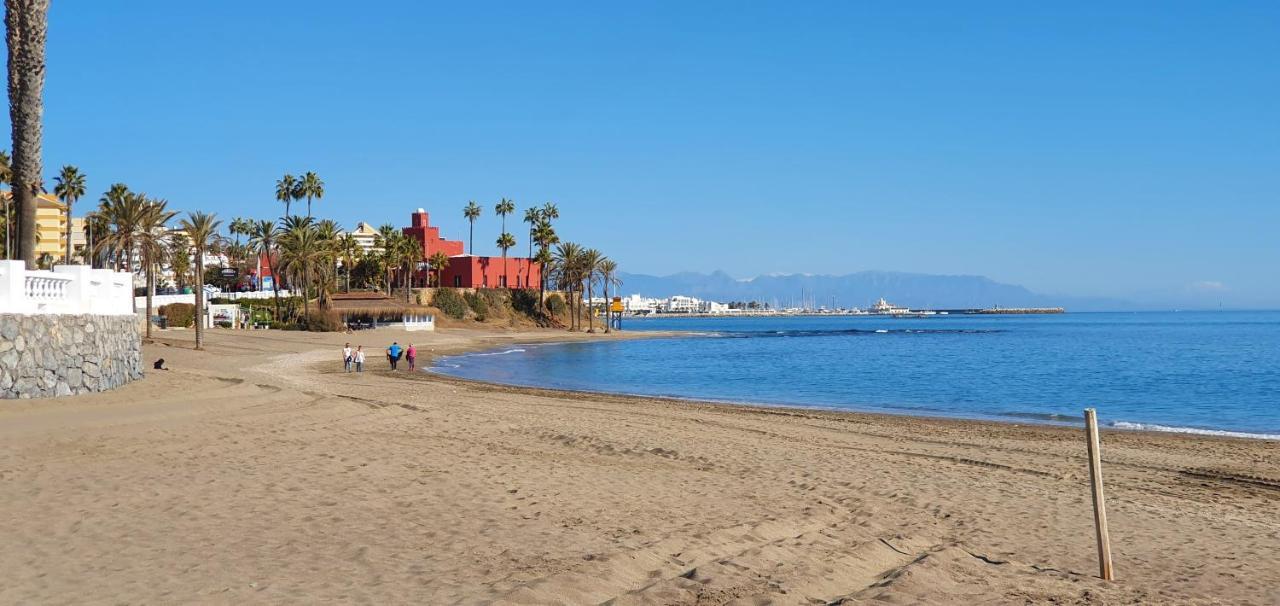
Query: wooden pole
x=1099, y=501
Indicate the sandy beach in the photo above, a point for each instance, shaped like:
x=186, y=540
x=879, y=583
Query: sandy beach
x=258, y=471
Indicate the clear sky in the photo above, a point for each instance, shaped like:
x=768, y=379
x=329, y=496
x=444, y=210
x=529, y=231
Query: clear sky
x=1085, y=148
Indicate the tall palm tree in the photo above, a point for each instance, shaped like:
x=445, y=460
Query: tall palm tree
x=590, y=269
x=300, y=249
x=152, y=245
x=349, y=249
x=550, y=211
x=388, y=240
x=568, y=260
x=285, y=187
x=472, y=212
x=262, y=236
x=69, y=189
x=309, y=186
x=608, y=277
x=505, y=242
x=27, y=24
x=532, y=215
x=409, y=253
x=544, y=259
x=546, y=237
x=503, y=208
x=202, y=230
x=438, y=263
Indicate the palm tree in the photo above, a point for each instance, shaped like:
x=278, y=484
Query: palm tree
x=152, y=248
x=27, y=22
x=309, y=186
x=202, y=230
x=546, y=237
x=472, y=212
x=544, y=259
x=285, y=191
x=387, y=239
x=408, y=252
x=180, y=259
x=590, y=267
x=438, y=262
x=550, y=212
x=349, y=249
x=300, y=248
x=262, y=236
x=567, y=263
x=532, y=215
x=69, y=189
x=505, y=242
x=608, y=277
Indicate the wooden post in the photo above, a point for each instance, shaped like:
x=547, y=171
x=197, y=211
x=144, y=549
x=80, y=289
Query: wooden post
x=1099, y=501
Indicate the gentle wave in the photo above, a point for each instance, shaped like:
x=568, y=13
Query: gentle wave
x=497, y=353
x=750, y=334
x=1194, y=430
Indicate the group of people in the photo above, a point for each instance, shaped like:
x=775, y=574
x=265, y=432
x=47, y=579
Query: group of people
x=354, y=358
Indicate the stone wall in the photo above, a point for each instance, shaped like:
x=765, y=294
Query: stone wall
x=45, y=355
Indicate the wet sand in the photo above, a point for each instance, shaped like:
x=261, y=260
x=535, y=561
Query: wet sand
x=258, y=471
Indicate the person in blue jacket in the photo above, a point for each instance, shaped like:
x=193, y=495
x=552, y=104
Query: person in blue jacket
x=393, y=354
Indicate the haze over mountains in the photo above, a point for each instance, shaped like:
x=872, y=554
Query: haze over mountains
x=861, y=289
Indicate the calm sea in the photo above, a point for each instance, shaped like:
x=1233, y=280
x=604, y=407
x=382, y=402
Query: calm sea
x=1211, y=372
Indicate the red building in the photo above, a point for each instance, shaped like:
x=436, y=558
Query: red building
x=469, y=271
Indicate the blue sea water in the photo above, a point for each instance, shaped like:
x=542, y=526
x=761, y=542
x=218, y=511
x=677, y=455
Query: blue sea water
x=1204, y=372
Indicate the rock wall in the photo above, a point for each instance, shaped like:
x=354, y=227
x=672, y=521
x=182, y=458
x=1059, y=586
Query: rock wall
x=60, y=354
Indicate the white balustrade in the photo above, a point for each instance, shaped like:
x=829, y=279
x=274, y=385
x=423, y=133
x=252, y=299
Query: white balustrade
x=68, y=289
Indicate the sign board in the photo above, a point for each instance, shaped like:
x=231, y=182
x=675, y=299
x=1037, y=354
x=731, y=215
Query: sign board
x=266, y=282
x=616, y=306
x=229, y=272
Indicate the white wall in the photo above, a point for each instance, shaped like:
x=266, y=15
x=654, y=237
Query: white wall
x=68, y=289
x=140, y=303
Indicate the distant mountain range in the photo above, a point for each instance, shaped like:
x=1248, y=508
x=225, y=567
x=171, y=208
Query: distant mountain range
x=921, y=291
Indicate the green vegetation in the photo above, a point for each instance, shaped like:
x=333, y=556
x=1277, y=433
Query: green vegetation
x=448, y=300
x=178, y=315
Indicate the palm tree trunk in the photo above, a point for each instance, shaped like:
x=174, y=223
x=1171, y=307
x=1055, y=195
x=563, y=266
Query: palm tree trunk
x=151, y=290
x=275, y=287
x=607, y=311
x=69, y=203
x=199, y=299
x=471, y=239
x=306, y=294
x=591, y=323
x=27, y=25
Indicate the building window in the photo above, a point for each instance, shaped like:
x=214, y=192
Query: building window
x=502, y=281
x=457, y=281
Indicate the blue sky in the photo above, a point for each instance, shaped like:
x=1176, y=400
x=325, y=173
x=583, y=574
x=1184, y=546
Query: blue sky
x=1086, y=148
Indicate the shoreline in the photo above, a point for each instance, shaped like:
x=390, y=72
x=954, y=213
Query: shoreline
x=259, y=471
x=1011, y=421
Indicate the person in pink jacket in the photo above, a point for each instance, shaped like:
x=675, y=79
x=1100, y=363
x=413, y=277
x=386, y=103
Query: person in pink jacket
x=411, y=356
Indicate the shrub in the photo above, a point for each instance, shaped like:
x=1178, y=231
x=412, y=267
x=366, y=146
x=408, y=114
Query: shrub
x=478, y=304
x=450, y=302
x=525, y=301
x=181, y=315
x=555, y=303
x=223, y=323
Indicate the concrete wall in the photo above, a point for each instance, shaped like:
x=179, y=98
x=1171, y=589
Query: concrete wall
x=45, y=355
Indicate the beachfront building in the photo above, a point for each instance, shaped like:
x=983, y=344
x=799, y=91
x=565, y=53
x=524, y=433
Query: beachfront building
x=471, y=271
x=366, y=237
x=51, y=224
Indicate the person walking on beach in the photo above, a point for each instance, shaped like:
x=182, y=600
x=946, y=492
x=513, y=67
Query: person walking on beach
x=346, y=357
x=358, y=358
x=393, y=354
x=411, y=355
